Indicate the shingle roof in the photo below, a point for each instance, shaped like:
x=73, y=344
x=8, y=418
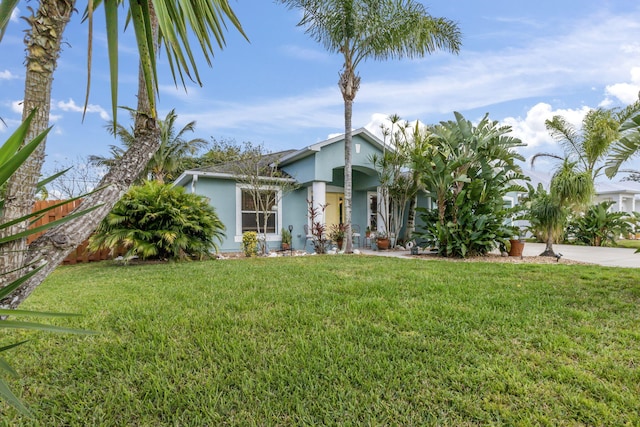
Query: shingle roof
x=233, y=167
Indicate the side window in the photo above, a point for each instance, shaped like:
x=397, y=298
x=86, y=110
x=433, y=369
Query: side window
x=250, y=206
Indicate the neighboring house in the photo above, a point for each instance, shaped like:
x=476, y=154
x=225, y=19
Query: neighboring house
x=318, y=171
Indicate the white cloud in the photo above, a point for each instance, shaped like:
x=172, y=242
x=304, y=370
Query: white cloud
x=16, y=106
x=298, y=52
x=532, y=130
x=7, y=75
x=626, y=93
x=91, y=108
x=15, y=15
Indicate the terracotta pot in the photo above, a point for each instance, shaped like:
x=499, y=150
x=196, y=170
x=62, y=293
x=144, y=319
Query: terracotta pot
x=383, y=244
x=339, y=243
x=286, y=246
x=517, y=246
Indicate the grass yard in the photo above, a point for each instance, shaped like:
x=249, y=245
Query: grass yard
x=335, y=340
x=635, y=244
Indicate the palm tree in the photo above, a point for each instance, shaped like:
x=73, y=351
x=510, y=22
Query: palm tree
x=589, y=147
x=570, y=189
x=174, y=148
x=154, y=22
x=585, y=152
x=625, y=147
x=371, y=29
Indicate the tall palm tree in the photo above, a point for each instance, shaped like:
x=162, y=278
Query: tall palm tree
x=371, y=29
x=154, y=21
x=173, y=150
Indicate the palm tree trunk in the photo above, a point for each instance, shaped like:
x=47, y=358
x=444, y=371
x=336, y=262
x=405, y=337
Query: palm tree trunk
x=43, y=48
x=548, y=250
x=50, y=249
x=349, y=83
x=411, y=218
x=348, y=179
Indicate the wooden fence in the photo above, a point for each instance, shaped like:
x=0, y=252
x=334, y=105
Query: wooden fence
x=81, y=253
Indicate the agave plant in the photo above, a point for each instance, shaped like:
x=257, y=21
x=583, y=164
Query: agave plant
x=11, y=158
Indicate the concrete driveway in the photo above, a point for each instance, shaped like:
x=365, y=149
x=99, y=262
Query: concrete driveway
x=612, y=257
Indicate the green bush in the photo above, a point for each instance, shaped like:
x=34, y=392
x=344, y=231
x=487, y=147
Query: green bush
x=159, y=221
x=481, y=223
x=599, y=227
x=250, y=243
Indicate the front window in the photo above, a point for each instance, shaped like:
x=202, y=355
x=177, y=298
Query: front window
x=263, y=203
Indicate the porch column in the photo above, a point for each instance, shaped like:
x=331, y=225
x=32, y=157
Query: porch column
x=194, y=181
x=319, y=189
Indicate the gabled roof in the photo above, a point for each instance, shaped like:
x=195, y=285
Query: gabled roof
x=314, y=148
x=234, y=166
x=229, y=170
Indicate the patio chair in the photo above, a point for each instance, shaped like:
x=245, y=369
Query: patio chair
x=355, y=232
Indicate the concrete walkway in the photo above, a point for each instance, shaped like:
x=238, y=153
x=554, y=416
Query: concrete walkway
x=611, y=257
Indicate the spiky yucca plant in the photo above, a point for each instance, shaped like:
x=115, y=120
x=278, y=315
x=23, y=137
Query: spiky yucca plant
x=158, y=221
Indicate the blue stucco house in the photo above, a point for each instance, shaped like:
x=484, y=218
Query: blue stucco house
x=318, y=171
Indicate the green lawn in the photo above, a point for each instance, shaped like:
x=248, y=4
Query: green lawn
x=635, y=244
x=335, y=340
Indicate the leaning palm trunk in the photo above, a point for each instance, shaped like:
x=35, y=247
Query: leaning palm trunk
x=50, y=249
x=43, y=47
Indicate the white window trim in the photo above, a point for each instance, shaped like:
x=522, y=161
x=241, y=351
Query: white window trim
x=370, y=194
x=271, y=237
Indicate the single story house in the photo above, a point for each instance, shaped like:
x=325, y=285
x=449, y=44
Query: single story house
x=318, y=171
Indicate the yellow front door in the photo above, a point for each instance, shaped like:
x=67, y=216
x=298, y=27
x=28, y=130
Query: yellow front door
x=334, y=214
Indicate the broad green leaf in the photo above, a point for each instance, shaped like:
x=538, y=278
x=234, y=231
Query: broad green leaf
x=27, y=313
x=6, y=8
x=14, y=285
x=11, y=324
x=15, y=140
x=46, y=226
x=111, y=18
x=12, y=399
x=10, y=166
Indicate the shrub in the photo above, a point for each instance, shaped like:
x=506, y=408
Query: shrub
x=250, y=243
x=159, y=221
x=599, y=227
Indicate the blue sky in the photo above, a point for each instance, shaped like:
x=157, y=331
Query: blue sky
x=521, y=62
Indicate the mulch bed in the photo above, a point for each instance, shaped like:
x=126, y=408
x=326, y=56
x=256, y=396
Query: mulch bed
x=499, y=258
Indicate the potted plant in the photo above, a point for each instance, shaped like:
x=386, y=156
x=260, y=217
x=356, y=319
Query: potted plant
x=336, y=233
x=516, y=246
x=367, y=232
x=286, y=239
x=382, y=240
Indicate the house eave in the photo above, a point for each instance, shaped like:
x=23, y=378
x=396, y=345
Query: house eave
x=187, y=176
